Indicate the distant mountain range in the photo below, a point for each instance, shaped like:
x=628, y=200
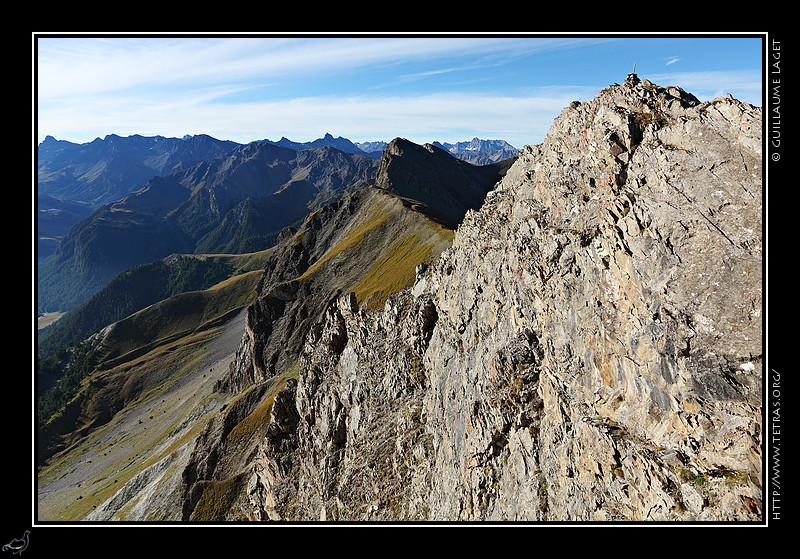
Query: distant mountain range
x=75, y=179
x=232, y=204
x=107, y=169
x=365, y=226
x=480, y=152
x=475, y=151
x=118, y=202
x=339, y=143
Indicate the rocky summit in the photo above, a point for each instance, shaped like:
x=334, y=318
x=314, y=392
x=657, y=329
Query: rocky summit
x=588, y=349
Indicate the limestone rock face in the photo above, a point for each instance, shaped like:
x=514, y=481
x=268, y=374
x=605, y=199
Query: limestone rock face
x=590, y=348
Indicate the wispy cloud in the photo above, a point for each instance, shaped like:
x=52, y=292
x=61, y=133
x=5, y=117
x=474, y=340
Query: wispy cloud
x=174, y=86
x=423, y=118
x=436, y=72
x=248, y=88
x=80, y=66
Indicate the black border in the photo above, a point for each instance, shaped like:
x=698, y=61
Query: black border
x=165, y=537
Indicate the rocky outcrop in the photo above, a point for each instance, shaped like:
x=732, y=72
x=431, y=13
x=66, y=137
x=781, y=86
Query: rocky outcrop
x=431, y=175
x=356, y=447
x=589, y=348
x=616, y=303
x=369, y=242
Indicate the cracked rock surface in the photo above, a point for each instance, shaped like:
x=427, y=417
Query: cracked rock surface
x=590, y=348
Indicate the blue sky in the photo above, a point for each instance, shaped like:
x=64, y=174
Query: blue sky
x=447, y=88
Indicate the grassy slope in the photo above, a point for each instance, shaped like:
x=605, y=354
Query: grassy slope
x=396, y=269
x=248, y=262
x=380, y=250
x=374, y=255
x=140, y=286
x=149, y=400
x=151, y=378
x=218, y=495
x=178, y=316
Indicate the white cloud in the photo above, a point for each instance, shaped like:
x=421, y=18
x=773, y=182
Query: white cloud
x=423, y=118
x=88, y=66
x=171, y=86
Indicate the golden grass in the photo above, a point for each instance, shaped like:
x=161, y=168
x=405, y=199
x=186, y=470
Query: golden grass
x=246, y=262
x=369, y=220
x=259, y=418
x=218, y=497
x=394, y=271
x=179, y=315
x=416, y=240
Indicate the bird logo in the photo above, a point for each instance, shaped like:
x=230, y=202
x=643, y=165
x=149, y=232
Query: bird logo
x=18, y=545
